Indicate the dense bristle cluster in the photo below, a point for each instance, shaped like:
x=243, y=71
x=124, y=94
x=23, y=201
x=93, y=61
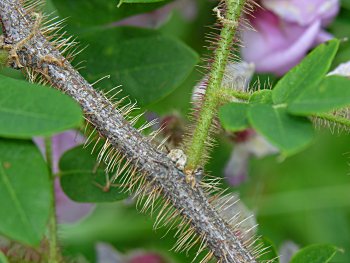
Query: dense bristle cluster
x=334, y=127
x=149, y=197
x=32, y=6
x=150, y=200
x=52, y=27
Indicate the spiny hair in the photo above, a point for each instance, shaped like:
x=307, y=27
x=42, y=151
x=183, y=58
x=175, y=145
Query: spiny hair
x=133, y=180
x=333, y=126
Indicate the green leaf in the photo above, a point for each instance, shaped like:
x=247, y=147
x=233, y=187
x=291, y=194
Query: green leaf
x=4, y=55
x=12, y=73
x=233, y=116
x=308, y=73
x=289, y=133
x=345, y=4
x=331, y=94
x=262, y=96
x=315, y=254
x=3, y=258
x=95, y=13
x=82, y=181
x=28, y=110
x=148, y=64
x=138, y=1
x=25, y=191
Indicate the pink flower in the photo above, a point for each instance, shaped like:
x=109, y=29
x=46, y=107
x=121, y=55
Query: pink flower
x=287, y=251
x=285, y=31
x=186, y=8
x=304, y=12
x=106, y=253
x=248, y=144
x=146, y=258
x=67, y=210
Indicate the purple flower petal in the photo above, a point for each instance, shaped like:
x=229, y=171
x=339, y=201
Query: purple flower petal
x=304, y=12
x=277, y=46
x=188, y=9
x=62, y=143
x=106, y=253
x=287, y=250
x=236, y=170
x=286, y=31
x=146, y=258
x=67, y=210
x=250, y=145
x=322, y=37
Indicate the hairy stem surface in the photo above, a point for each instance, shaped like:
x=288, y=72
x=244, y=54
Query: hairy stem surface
x=334, y=119
x=228, y=92
x=197, y=145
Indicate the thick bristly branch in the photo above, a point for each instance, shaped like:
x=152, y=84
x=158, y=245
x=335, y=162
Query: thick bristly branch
x=108, y=121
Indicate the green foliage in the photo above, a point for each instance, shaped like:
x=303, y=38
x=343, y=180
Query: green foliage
x=289, y=133
x=315, y=254
x=3, y=258
x=126, y=227
x=305, y=198
x=138, y=1
x=24, y=190
x=303, y=91
x=340, y=28
x=28, y=110
x=262, y=97
x=345, y=3
x=148, y=64
x=12, y=73
x=82, y=179
x=332, y=93
x=308, y=73
x=95, y=13
x=233, y=116
x=135, y=58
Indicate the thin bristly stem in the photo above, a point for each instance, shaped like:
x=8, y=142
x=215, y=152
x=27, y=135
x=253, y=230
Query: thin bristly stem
x=197, y=144
x=228, y=92
x=333, y=118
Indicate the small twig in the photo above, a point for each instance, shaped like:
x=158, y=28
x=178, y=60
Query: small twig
x=225, y=92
